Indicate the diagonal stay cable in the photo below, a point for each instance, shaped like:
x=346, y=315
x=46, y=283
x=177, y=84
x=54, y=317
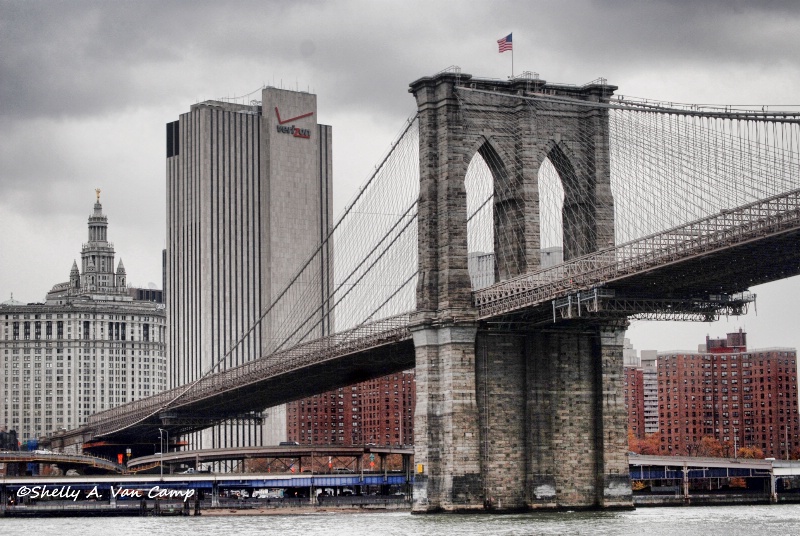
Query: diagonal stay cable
x=361, y=277
x=163, y=402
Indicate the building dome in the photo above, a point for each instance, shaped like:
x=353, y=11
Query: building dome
x=12, y=301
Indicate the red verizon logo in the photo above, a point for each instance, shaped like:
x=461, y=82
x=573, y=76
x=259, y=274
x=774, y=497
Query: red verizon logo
x=293, y=130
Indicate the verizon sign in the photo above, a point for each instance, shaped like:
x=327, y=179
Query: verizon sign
x=293, y=130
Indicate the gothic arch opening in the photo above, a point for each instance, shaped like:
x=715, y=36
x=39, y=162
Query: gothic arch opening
x=495, y=219
x=479, y=187
x=565, y=206
x=551, y=222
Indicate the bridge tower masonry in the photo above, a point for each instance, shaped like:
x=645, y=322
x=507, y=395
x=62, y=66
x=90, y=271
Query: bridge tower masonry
x=516, y=418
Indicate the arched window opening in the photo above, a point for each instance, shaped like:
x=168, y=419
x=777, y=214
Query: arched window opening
x=479, y=186
x=551, y=221
x=495, y=220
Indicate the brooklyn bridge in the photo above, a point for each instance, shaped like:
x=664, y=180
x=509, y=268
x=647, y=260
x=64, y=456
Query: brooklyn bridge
x=500, y=249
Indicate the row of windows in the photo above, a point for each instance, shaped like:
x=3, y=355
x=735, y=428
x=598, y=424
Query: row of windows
x=47, y=316
x=733, y=357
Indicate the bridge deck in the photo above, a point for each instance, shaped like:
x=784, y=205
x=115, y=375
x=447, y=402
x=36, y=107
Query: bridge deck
x=239, y=453
x=724, y=254
x=369, y=351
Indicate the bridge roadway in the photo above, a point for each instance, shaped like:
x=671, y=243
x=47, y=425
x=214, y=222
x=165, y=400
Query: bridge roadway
x=87, y=464
x=644, y=467
x=195, y=457
x=693, y=270
x=679, y=269
x=648, y=468
x=345, y=358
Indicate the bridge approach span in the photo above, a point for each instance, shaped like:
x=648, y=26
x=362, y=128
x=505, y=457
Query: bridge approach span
x=79, y=462
x=193, y=457
x=721, y=255
x=368, y=351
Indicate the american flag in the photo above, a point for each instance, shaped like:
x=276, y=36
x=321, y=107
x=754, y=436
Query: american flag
x=505, y=44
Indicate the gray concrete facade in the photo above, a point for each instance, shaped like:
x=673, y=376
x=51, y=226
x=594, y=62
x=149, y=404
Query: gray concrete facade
x=248, y=202
x=529, y=418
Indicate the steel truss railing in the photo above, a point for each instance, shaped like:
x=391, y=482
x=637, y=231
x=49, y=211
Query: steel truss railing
x=368, y=335
x=606, y=302
x=721, y=231
x=726, y=229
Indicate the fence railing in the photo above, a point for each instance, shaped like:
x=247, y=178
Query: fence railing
x=369, y=335
x=728, y=228
x=722, y=230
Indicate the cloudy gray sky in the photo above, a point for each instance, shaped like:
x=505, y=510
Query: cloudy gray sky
x=86, y=88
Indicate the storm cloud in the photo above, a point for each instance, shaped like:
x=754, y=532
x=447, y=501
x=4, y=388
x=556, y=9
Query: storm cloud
x=86, y=88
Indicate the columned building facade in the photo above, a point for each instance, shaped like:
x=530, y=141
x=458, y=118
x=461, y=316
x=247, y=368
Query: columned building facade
x=248, y=203
x=89, y=346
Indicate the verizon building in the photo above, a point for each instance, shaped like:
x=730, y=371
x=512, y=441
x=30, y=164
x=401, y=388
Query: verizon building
x=248, y=203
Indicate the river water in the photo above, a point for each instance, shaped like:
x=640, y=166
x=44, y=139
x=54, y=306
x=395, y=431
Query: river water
x=781, y=520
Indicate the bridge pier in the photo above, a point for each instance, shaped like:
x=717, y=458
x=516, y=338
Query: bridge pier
x=520, y=420
x=575, y=418
x=215, y=494
x=446, y=434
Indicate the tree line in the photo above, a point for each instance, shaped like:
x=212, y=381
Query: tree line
x=708, y=447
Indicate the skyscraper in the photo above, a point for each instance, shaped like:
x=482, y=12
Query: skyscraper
x=248, y=203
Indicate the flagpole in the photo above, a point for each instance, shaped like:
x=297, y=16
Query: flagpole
x=507, y=43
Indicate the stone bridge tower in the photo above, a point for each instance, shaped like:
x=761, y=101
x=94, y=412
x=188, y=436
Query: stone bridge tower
x=522, y=418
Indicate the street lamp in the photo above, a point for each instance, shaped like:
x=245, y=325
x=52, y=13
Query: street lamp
x=161, y=444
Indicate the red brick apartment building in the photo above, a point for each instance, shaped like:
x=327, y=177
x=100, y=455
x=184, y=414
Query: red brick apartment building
x=634, y=400
x=379, y=412
x=741, y=398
